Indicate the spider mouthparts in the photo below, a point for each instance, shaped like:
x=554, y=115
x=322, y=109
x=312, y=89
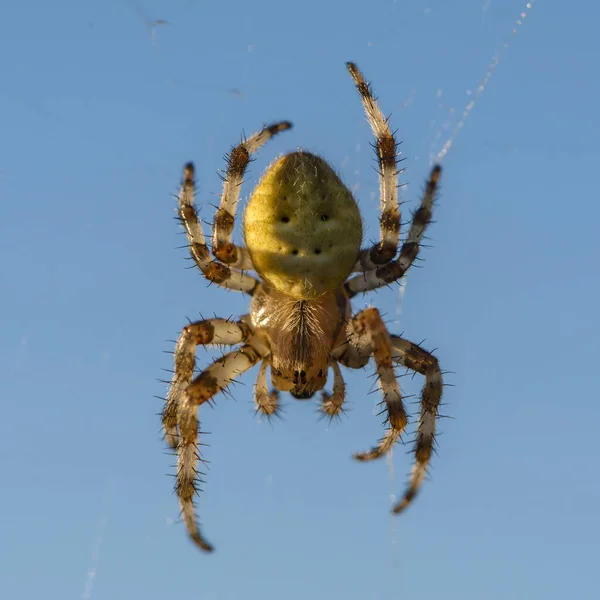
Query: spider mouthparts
x=304, y=395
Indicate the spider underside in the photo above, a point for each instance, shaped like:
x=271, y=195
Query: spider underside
x=303, y=233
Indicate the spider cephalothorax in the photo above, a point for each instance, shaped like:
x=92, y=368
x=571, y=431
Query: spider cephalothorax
x=303, y=234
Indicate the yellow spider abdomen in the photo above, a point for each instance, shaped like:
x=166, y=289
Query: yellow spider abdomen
x=302, y=227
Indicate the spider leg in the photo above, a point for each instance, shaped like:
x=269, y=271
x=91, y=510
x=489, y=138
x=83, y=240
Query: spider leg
x=332, y=404
x=368, y=332
x=237, y=162
x=415, y=358
x=267, y=402
x=213, y=270
x=205, y=333
x=204, y=387
x=387, y=157
x=395, y=269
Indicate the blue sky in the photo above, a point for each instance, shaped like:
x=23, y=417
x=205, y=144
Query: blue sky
x=97, y=120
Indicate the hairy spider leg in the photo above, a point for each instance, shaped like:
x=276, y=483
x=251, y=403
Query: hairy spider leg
x=210, y=382
x=409, y=251
x=237, y=162
x=416, y=359
x=200, y=333
x=368, y=332
x=386, y=149
x=214, y=270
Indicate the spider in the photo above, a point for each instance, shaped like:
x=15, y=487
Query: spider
x=303, y=235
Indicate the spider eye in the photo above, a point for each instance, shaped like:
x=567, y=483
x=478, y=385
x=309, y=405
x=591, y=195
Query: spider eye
x=317, y=250
x=324, y=217
x=285, y=219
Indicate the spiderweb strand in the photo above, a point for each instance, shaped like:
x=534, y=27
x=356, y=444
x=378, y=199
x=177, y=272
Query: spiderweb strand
x=97, y=547
x=93, y=568
x=481, y=87
x=399, y=305
x=389, y=459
